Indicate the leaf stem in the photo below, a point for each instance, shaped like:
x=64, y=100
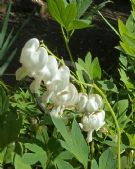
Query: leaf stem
x=67, y=45
x=117, y=33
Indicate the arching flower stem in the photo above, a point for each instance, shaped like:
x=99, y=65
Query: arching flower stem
x=112, y=113
x=115, y=120
x=48, y=50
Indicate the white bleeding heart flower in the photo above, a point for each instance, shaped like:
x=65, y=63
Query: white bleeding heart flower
x=58, y=83
x=67, y=97
x=94, y=103
x=57, y=111
x=82, y=100
x=61, y=80
x=33, y=56
x=33, y=59
x=46, y=74
x=92, y=122
x=50, y=70
x=64, y=99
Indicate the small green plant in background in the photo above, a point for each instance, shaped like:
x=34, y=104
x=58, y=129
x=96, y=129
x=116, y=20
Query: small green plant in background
x=6, y=41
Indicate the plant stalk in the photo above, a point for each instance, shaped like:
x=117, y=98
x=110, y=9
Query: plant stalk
x=113, y=115
x=116, y=123
x=67, y=45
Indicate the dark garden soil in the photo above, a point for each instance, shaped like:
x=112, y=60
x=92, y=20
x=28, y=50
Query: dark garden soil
x=100, y=39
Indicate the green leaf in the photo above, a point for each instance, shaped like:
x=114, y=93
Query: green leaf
x=74, y=141
x=107, y=85
x=96, y=69
x=94, y=165
x=60, y=160
x=69, y=15
x=121, y=108
x=92, y=70
x=122, y=28
x=33, y=147
x=65, y=155
x=61, y=164
x=8, y=61
x=42, y=134
x=19, y=164
x=88, y=61
x=106, y=160
x=5, y=46
x=5, y=26
x=125, y=79
x=59, y=124
x=39, y=155
x=10, y=124
x=123, y=61
x=4, y=101
x=131, y=138
x=80, y=148
x=79, y=73
x=54, y=145
x=82, y=6
x=130, y=24
x=79, y=24
x=64, y=13
x=56, y=8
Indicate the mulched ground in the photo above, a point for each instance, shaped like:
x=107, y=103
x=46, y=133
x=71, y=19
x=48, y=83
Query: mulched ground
x=100, y=39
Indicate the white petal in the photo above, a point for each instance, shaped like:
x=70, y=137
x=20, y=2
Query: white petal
x=50, y=70
x=32, y=43
x=21, y=73
x=89, y=136
x=57, y=111
x=42, y=58
x=33, y=57
x=28, y=50
x=93, y=121
x=81, y=125
x=47, y=96
x=91, y=105
x=81, y=105
x=99, y=100
x=85, y=123
x=101, y=118
x=35, y=85
x=67, y=97
x=61, y=79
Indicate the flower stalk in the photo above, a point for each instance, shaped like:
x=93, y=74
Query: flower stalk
x=113, y=115
x=115, y=120
x=67, y=45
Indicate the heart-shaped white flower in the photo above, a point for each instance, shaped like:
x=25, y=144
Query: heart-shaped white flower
x=92, y=122
x=33, y=59
x=57, y=84
x=67, y=97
